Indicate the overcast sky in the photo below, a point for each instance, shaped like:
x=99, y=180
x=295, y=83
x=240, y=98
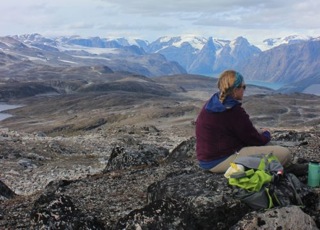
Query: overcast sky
x=150, y=19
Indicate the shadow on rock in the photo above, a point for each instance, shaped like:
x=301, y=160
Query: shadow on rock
x=6, y=192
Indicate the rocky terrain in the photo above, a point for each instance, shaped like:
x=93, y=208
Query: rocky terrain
x=117, y=158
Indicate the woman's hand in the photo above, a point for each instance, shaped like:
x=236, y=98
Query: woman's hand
x=262, y=130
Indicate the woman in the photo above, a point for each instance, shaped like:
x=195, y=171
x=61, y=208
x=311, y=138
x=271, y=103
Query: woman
x=224, y=130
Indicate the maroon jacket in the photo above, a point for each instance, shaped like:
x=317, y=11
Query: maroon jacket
x=221, y=134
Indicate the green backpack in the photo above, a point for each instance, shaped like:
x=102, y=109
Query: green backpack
x=263, y=184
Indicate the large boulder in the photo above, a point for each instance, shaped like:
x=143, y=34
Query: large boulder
x=135, y=156
x=198, y=200
x=191, y=200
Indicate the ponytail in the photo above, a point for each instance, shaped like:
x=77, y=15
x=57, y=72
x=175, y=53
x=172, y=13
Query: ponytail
x=228, y=80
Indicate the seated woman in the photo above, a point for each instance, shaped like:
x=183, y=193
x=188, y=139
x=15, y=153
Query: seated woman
x=225, y=131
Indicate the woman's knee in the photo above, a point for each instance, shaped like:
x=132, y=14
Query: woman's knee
x=287, y=156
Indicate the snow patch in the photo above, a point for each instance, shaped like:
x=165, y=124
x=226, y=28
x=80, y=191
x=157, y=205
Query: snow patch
x=91, y=50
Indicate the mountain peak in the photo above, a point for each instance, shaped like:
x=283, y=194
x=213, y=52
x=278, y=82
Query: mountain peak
x=273, y=42
x=195, y=41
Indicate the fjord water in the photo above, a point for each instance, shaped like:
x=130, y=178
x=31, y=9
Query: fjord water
x=4, y=107
x=271, y=85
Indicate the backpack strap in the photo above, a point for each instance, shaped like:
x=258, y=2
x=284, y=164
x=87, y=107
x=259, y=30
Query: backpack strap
x=250, y=162
x=271, y=164
x=263, y=162
x=291, y=178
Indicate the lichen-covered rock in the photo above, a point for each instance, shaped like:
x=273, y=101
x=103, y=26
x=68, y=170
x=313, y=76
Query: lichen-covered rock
x=206, y=198
x=291, y=217
x=135, y=155
x=52, y=211
x=199, y=200
x=161, y=214
x=291, y=136
x=184, y=151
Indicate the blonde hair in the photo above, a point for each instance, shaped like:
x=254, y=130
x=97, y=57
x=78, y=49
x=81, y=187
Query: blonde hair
x=228, y=80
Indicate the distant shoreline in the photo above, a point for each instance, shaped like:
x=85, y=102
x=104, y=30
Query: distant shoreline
x=271, y=85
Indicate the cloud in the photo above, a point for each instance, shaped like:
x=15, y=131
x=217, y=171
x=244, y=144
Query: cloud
x=150, y=19
x=243, y=12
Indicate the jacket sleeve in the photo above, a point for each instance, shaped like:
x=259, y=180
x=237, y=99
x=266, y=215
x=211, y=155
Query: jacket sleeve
x=245, y=130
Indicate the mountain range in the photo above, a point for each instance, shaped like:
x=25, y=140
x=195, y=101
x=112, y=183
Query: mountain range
x=292, y=61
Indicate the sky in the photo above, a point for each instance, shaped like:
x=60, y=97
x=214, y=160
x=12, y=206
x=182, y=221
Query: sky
x=255, y=20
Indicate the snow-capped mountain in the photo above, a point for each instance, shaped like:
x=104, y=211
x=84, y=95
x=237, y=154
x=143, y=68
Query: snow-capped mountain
x=182, y=49
x=200, y=55
x=202, y=64
x=76, y=52
x=235, y=52
x=274, y=42
x=285, y=60
x=164, y=42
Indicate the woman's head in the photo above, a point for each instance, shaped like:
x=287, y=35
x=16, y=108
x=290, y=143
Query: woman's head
x=231, y=83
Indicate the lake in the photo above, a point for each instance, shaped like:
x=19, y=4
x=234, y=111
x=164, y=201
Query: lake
x=270, y=85
x=4, y=107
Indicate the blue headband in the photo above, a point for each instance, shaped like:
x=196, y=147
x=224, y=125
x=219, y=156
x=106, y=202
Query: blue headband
x=238, y=81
